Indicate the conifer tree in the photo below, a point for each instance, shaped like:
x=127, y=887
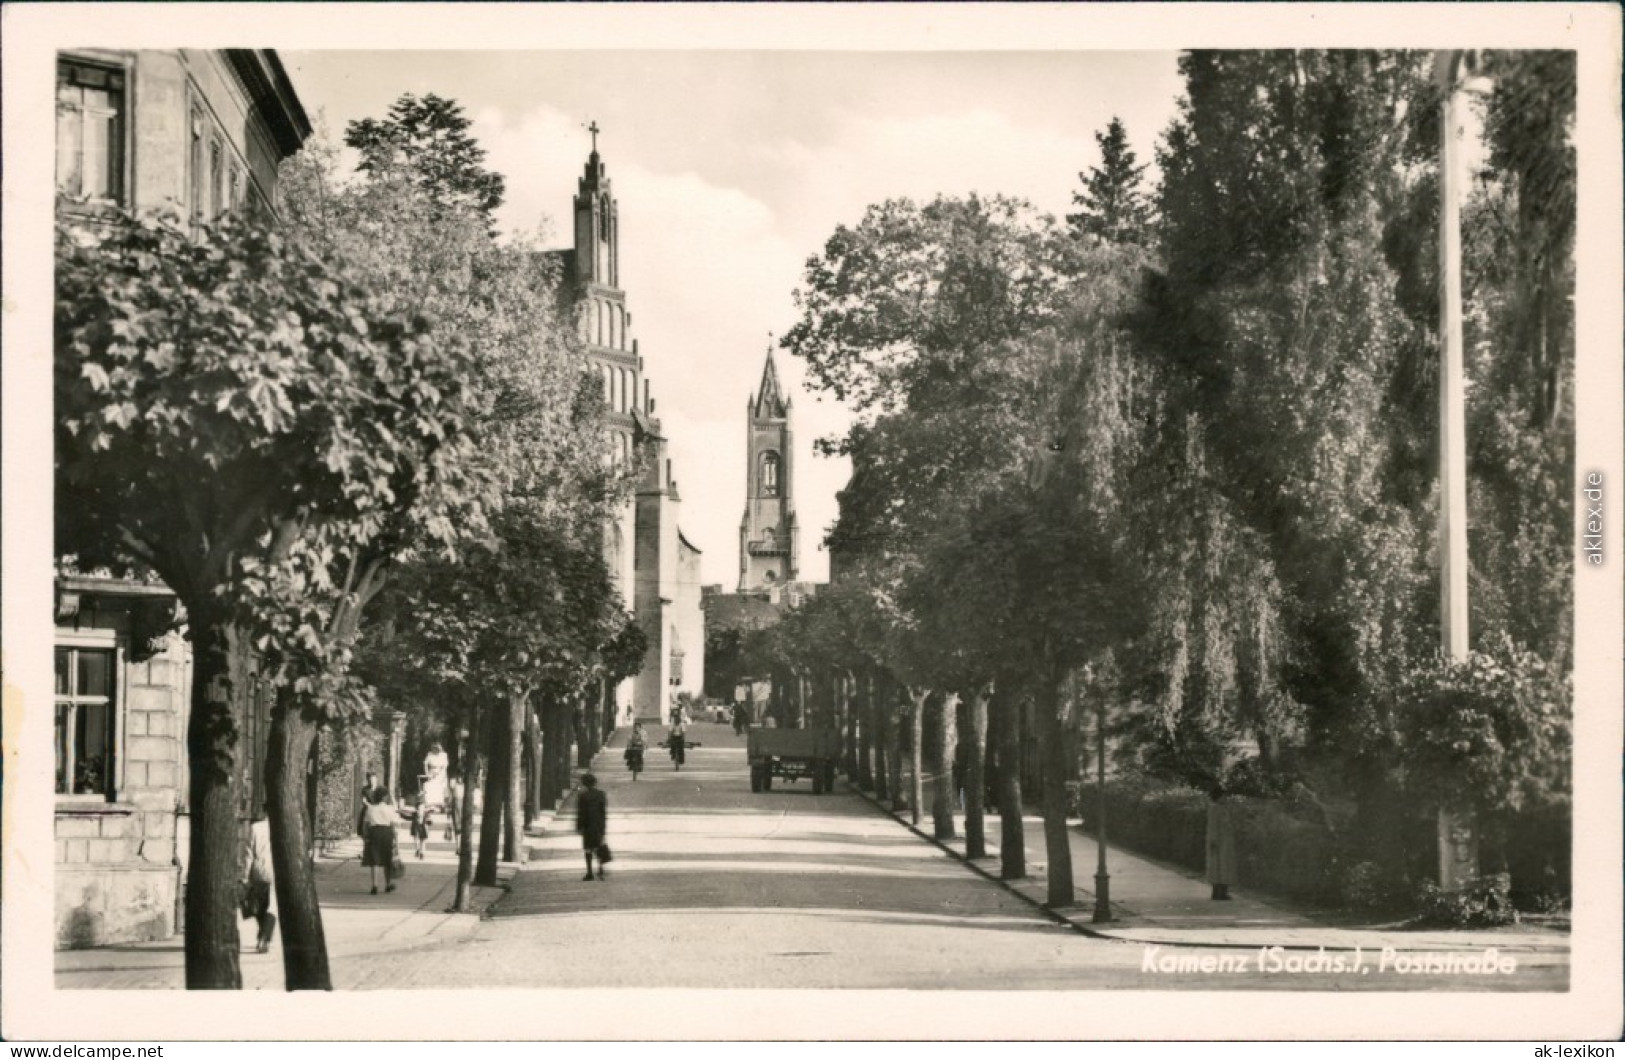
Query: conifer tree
x=1111, y=206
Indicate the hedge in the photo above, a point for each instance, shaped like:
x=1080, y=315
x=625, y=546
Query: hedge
x=1276, y=852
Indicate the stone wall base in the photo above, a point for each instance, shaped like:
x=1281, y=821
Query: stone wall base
x=99, y=905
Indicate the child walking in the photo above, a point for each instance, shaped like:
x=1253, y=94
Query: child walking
x=420, y=824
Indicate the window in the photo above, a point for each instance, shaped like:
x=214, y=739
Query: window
x=235, y=202
x=90, y=131
x=84, y=721
x=770, y=474
x=199, y=172
x=216, y=177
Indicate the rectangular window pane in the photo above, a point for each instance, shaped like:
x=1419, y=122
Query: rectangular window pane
x=64, y=667
x=97, y=170
x=67, y=148
x=64, y=746
x=95, y=742
x=95, y=674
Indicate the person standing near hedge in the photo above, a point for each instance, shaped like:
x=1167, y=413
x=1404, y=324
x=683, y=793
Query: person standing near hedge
x=1221, y=848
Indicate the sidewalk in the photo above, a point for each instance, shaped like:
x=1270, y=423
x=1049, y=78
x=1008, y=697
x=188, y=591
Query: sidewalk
x=1156, y=903
x=354, y=921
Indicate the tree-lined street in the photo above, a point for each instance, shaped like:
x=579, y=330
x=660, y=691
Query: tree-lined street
x=1148, y=533
x=714, y=887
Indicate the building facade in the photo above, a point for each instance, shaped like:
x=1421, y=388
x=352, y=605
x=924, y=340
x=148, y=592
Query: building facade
x=201, y=133
x=654, y=567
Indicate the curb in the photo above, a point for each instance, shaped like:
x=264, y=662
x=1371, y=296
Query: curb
x=1052, y=914
x=1105, y=935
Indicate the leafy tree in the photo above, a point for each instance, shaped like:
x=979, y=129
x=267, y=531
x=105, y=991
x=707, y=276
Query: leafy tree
x=426, y=137
x=418, y=219
x=234, y=407
x=1494, y=726
x=963, y=374
x=1281, y=355
x=1113, y=207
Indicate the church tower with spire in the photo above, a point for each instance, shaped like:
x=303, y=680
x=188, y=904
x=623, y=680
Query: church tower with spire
x=653, y=565
x=769, y=536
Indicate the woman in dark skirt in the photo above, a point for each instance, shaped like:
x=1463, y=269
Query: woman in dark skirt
x=378, y=820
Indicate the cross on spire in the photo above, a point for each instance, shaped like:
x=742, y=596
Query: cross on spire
x=593, y=128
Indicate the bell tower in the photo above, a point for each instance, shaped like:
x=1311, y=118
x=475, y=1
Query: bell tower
x=598, y=259
x=768, y=531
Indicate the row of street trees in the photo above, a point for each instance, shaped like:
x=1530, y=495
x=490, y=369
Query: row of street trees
x=363, y=447
x=1175, y=458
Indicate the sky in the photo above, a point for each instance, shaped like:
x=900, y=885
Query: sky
x=731, y=168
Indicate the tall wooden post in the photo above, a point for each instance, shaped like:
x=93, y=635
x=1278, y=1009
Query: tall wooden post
x=1458, y=845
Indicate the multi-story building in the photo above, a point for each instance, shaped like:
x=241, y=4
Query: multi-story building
x=200, y=132
x=654, y=566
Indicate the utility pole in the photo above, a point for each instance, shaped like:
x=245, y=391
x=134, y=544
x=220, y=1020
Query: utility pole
x=1458, y=840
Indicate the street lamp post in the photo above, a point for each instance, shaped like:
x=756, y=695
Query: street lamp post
x=1103, y=879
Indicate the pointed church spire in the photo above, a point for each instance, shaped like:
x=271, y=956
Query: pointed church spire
x=770, y=402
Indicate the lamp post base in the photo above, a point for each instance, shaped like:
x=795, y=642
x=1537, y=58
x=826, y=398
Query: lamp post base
x=1103, y=898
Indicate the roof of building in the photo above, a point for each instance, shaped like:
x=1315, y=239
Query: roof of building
x=770, y=402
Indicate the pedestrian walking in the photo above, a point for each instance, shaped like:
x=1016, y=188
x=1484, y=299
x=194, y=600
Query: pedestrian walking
x=377, y=827
x=592, y=820
x=259, y=880
x=635, y=745
x=420, y=824
x=454, y=810
x=677, y=744
x=435, y=764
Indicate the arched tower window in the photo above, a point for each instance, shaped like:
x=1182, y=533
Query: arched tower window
x=770, y=474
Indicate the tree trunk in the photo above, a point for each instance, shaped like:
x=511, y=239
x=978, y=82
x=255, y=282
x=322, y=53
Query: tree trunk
x=512, y=833
x=533, y=767
x=916, y=753
x=883, y=748
x=1006, y=719
x=847, y=694
x=864, y=694
x=578, y=726
x=974, y=742
x=470, y=765
x=213, y=743
x=561, y=750
x=496, y=791
x=299, y=911
x=546, y=792
x=1057, y=847
x=941, y=765
x=894, y=749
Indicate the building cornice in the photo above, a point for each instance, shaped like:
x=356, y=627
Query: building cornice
x=272, y=96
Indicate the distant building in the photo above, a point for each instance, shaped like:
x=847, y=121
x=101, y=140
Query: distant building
x=769, y=531
x=202, y=132
x=769, y=534
x=653, y=565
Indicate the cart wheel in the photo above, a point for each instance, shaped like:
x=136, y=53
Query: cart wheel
x=829, y=777
x=755, y=779
x=818, y=783
x=767, y=778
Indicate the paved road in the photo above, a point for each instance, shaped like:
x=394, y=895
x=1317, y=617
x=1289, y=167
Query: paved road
x=714, y=887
